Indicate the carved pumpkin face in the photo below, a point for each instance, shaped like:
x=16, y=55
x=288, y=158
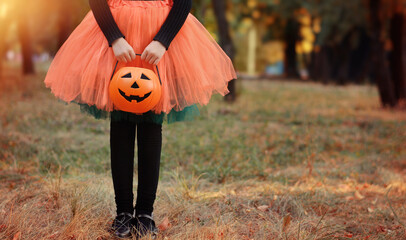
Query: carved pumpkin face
x=135, y=90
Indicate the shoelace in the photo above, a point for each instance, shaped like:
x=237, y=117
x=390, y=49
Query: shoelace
x=145, y=215
x=154, y=230
x=122, y=220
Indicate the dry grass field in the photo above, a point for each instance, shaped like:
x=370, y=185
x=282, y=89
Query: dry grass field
x=288, y=160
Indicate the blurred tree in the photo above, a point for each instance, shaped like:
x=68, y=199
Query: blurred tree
x=349, y=46
x=22, y=15
x=397, y=58
x=69, y=15
x=275, y=20
x=291, y=38
x=66, y=14
x=199, y=9
x=263, y=19
x=388, y=56
x=4, y=27
x=340, y=39
x=24, y=36
x=225, y=40
x=288, y=12
x=380, y=66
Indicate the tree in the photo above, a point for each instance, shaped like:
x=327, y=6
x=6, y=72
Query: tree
x=4, y=27
x=397, y=58
x=388, y=64
x=25, y=40
x=17, y=12
x=65, y=20
x=291, y=38
x=380, y=66
x=226, y=42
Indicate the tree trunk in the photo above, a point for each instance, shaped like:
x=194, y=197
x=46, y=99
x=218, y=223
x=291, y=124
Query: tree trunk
x=25, y=41
x=358, y=67
x=65, y=21
x=320, y=64
x=4, y=26
x=398, y=55
x=380, y=66
x=225, y=41
x=291, y=38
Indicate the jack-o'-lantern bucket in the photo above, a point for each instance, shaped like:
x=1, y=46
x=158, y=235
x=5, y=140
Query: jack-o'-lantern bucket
x=134, y=89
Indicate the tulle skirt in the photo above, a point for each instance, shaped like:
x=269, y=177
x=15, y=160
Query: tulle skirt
x=192, y=69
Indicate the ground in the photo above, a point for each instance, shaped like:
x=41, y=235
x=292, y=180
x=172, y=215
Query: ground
x=288, y=160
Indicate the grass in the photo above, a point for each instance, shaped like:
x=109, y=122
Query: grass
x=288, y=160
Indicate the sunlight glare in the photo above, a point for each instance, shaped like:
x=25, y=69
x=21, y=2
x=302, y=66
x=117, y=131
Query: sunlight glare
x=3, y=9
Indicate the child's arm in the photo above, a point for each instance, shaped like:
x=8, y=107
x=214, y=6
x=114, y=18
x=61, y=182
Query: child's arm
x=105, y=20
x=174, y=22
x=154, y=52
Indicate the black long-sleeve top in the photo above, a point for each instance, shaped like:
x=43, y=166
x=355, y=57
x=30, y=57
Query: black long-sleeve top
x=173, y=23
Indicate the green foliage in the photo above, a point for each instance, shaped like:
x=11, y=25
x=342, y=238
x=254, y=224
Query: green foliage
x=338, y=19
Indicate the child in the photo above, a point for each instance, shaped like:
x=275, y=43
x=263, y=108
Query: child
x=192, y=67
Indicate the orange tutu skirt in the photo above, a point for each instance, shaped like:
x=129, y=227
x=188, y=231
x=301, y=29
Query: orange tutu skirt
x=193, y=68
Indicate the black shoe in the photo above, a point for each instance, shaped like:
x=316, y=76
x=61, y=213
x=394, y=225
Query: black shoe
x=122, y=225
x=144, y=224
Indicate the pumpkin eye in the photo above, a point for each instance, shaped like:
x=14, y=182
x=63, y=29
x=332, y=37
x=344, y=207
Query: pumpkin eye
x=135, y=90
x=144, y=77
x=128, y=75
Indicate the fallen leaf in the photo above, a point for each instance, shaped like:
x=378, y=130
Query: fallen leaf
x=348, y=235
x=380, y=229
x=344, y=188
x=263, y=207
x=358, y=195
x=54, y=235
x=17, y=236
x=370, y=210
x=3, y=227
x=349, y=198
x=165, y=224
x=375, y=201
x=286, y=222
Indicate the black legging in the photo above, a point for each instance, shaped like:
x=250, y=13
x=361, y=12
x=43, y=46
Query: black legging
x=149, y=143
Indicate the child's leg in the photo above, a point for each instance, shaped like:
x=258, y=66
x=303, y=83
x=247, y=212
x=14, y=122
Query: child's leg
x=149, y=142
x=122, y=140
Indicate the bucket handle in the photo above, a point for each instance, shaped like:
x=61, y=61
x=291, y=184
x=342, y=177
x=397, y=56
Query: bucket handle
x=157, y=70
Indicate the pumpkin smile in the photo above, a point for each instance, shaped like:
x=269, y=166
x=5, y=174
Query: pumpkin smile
x=135, y=90
x=134, y=97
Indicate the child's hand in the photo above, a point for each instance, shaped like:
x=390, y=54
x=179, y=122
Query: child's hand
x=123, y=50
x=153, y=52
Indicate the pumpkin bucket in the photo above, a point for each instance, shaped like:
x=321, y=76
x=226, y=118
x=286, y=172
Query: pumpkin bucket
x=134, y=89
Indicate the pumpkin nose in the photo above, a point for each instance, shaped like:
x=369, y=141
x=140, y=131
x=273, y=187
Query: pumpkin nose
x=135, y=85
